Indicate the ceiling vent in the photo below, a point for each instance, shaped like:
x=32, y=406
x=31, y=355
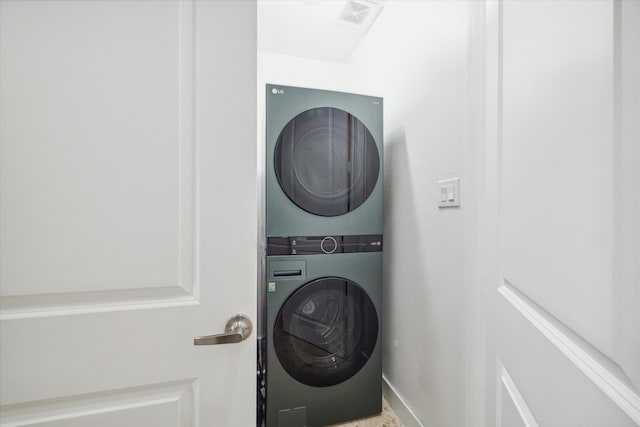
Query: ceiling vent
x=360, y=13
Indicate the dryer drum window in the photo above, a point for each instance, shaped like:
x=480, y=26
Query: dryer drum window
x=325, y=332
x=326, y=161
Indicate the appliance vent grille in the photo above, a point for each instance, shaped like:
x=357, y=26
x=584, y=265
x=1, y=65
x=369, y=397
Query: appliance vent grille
x=355, y=12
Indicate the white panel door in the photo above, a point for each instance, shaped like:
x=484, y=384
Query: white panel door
x=562, y=126
x=128, y=211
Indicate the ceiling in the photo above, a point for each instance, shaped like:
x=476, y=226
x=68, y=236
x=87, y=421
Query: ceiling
x=329, y=30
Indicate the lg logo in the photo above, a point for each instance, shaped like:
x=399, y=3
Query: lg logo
x=277, y=91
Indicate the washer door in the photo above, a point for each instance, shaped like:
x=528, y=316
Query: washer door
x=325, y=332
x=326, y=161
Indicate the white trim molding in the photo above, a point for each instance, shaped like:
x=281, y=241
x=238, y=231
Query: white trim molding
x=521, y=405
x=399, y=406
x=598, y=368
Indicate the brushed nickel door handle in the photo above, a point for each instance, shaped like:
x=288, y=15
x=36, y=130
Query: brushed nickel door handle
x=238, y=329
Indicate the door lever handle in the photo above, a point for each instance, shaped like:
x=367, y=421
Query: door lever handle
x=238, y=329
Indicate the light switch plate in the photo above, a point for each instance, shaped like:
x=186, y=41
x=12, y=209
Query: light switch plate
x=449, y=193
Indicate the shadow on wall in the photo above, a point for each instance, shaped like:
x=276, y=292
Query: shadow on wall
x=420, y=326
x=395, y=158
x=399, y=207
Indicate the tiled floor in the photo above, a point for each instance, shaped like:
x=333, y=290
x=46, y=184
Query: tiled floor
x=387, y=418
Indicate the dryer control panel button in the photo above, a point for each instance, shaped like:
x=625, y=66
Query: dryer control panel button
x=328, y=245
x=323, y=245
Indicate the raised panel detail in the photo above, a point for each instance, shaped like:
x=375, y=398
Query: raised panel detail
x=161, y=405
x=557, y=159
x=515, y=412
x=509, y=416
x=97, y=155
x=564, y=379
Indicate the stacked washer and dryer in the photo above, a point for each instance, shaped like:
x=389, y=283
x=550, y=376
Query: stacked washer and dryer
x=323, y=297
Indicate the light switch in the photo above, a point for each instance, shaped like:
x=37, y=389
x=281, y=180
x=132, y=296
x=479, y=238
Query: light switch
x=443, y=194
x=449, y=193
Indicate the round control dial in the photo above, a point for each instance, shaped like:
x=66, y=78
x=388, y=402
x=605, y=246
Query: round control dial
x=328, y=245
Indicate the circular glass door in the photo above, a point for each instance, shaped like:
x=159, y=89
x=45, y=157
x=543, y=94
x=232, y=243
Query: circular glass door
x=325, y=332
x=326, y=161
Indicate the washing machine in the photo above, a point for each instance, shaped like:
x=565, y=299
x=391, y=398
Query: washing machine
x=323, y=169
x=323, y=328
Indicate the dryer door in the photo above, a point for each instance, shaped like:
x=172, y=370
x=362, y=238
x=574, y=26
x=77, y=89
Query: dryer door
x=326, y=161
x=326, y=331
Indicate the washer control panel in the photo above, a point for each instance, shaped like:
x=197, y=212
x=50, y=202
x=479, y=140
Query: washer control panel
x=312, y=245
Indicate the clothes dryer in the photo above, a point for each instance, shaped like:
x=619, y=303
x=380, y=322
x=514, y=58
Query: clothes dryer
x=323, y=162
x=323, y=329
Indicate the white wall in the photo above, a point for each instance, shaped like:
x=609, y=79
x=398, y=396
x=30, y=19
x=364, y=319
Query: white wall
x=299, y=71
x=415, y=56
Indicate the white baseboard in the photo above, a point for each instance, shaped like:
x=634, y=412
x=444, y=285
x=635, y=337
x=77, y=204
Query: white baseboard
x=399, y=406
